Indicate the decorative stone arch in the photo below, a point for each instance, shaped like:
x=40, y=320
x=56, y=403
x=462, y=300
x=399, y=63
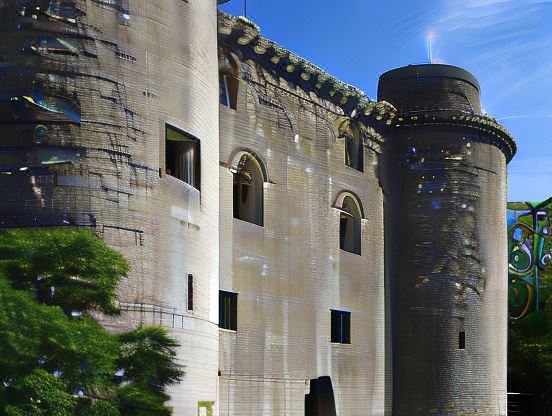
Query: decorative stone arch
x=340, y=125
x=339, y=199
x=331, y=130
x=238, y=153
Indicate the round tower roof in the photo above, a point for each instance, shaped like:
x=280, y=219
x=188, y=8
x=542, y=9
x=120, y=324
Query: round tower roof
x=428, y=71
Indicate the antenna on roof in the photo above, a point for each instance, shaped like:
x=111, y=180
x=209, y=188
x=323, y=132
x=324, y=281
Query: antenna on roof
x=244, y=8
x=430, y=35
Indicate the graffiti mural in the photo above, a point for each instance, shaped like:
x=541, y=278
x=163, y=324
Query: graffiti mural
x=529, y=254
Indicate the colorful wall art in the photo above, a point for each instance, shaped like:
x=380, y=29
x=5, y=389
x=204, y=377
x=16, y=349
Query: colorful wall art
x=529, y=255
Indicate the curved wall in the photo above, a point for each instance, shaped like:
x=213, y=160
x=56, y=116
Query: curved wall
x=103, y=80
x=445, y=190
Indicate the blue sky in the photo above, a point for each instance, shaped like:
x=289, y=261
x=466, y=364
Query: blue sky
x=506, y=44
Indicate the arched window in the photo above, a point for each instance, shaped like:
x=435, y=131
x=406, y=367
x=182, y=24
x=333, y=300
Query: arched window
x=228, y=80
x=248, y=190
x=349, y=226
x=354, y=149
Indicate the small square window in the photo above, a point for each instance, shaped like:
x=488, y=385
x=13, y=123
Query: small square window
x=182, y=158
x=228, y=310
x=341, y=327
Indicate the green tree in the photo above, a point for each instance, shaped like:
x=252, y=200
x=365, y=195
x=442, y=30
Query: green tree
x=530, y=362
x=54, y=358
x=530, y=354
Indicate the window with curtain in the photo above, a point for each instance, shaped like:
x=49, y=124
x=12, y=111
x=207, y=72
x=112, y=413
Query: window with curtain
x=182, y=158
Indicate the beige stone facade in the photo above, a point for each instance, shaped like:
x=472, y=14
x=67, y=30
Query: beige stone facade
x=291, y=272
x=245, y=186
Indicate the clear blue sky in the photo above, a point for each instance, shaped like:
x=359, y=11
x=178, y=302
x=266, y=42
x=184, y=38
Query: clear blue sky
x=506, y=44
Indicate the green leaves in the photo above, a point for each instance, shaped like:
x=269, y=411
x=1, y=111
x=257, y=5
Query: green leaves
x=136, y=401
x=530, y=360
x=148, y=355
x=40, y=393
x=71, y=268
x=54, y=363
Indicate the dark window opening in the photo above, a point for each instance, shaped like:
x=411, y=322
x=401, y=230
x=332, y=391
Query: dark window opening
x=354, y=149
x=54, y=45
x=350, y=227
x=248, y=191
x=190, y=292
x=182, y=157
x=228, y=81
x=244, y=191
x=462, y=340
x=228, y=91
x=320, y=400
x=228, y=310
x=341, y=327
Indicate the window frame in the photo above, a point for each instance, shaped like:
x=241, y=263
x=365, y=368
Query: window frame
x=228, y=305
x=241, y=190
x=229, y=81
x=340, y=326
x=345, y=217
x=353, y=143
x=195, y=181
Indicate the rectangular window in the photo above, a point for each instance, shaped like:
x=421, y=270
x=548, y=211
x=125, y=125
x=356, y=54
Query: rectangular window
x=462, y=340
x=228, y=90
x=182, y=156
x=190, y=292
x=354, y=151
x=223, y=91
x=341, y=326
x=228, y=310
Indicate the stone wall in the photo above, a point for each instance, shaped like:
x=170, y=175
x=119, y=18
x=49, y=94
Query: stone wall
x=88, y=149
x=290, y=272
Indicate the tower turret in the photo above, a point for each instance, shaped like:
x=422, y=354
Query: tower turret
x=109, y=119
x=445, y=188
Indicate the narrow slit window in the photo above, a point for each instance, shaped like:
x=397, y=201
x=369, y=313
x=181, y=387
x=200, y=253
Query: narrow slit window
x=248, y=190
x=182, y=156
x=350, y=227
x=190, y=292
x=341, y=326
x=228, y=310
x=462, y=340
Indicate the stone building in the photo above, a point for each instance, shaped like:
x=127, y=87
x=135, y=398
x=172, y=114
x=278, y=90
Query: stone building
x=314, y=252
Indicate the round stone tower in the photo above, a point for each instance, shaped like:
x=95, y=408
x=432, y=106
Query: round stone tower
x=109, y=120
x=444, y=179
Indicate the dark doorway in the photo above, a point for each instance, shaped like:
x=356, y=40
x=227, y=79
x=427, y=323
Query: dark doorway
x=320, y=401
